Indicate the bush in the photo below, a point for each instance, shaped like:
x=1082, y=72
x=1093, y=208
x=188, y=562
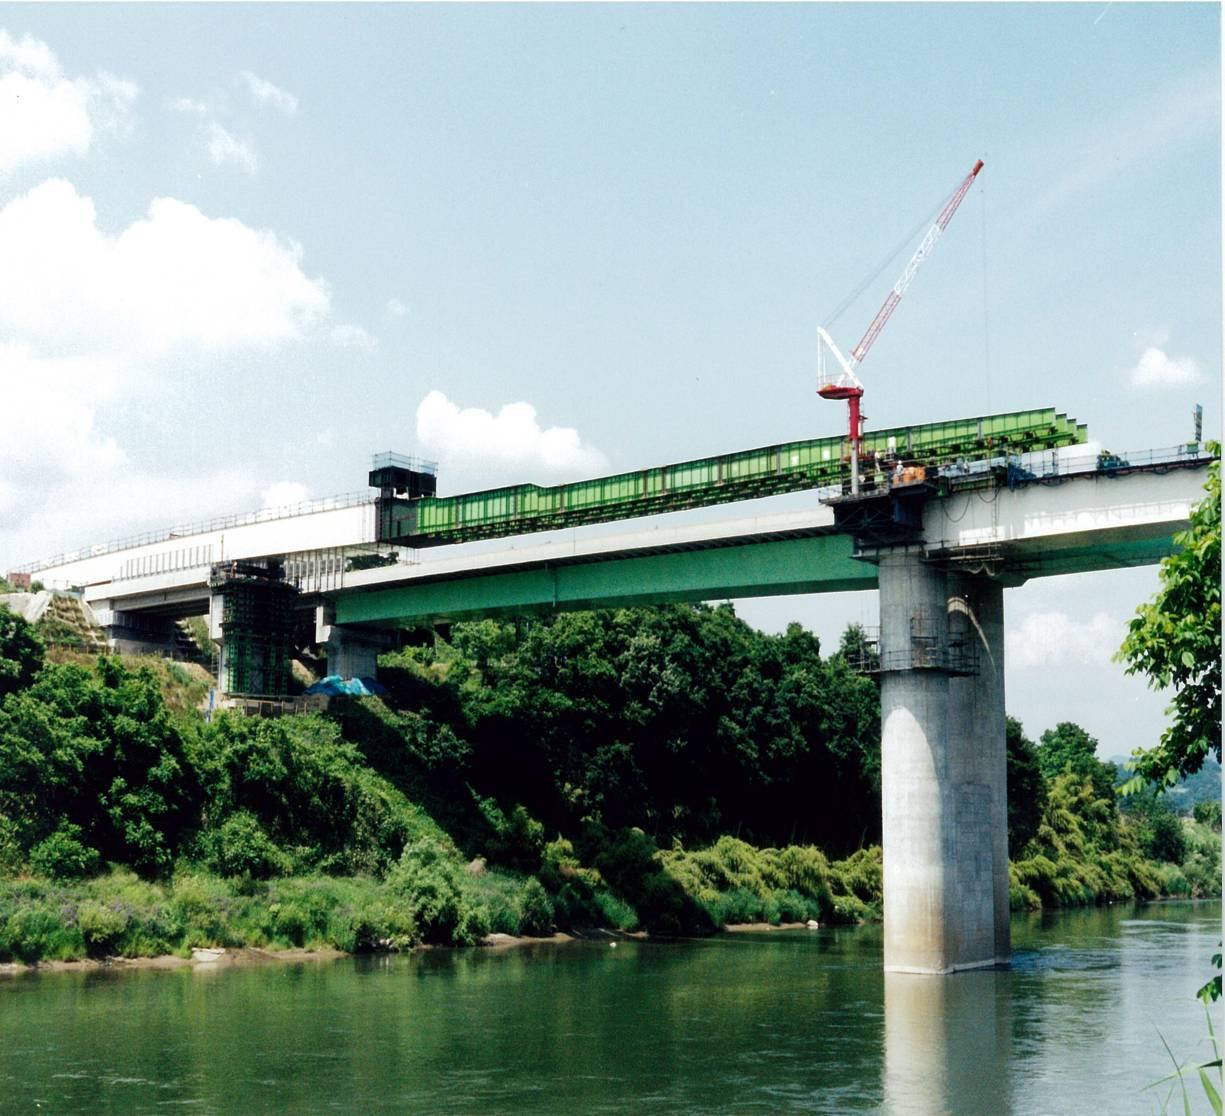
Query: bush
x=21, y=652
x=428, y=878
x=1207, y=813
x=12, y=855
x=102, y=926
x=240, y=847
x=518, y=838
x=379, y=926
x=537, y=908
x=202, y=905
x=36, y=932
x=63, y=855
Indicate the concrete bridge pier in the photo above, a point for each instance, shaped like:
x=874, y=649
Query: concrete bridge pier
x=135, y=633
x=351, y=652
x=977, y=733
x=944, y=810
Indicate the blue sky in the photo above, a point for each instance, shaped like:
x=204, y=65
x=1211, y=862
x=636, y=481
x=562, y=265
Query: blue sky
x=240, y=246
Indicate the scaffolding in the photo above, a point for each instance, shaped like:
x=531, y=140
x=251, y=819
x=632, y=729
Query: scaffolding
x=257, y=627
x=932, y=646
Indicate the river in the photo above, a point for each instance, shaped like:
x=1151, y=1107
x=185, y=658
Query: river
x=788, y=1021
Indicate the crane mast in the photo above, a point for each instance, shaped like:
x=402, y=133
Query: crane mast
x=842, y=382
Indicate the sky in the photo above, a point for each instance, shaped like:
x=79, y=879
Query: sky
x=244, y=247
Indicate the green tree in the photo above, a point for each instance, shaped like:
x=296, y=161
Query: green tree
x=1175, y=640
x=99, y=751
x=1207, y=812
x=1068, y=747
x=1026, y=788
x=21, y=652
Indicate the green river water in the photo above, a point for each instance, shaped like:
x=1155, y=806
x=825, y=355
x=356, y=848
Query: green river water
x=789, y=1021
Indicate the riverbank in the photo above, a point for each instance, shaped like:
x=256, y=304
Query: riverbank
x=211, y=959
x=227, y=959
x=779, y=1021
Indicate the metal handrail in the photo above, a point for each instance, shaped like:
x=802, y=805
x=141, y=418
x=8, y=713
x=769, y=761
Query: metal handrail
x=219, y=523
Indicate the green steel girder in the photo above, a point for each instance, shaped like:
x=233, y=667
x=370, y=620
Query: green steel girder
x=818, y=564
x=777, y=567
x=746, y=474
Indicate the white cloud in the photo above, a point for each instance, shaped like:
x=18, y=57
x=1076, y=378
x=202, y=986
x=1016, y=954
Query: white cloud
x=29, y=55
x=269, y=94
x=224, y=147
x=175, y=277
x=43, y=114
x=396, y=308
x=87, y=318
x=69, y=515
x=51, y=438
x=283, y=494
x=113, y=98
x=1156, y=369
x=511, y=439
x=1046, y=639
x=350, y=336
x=189, y=106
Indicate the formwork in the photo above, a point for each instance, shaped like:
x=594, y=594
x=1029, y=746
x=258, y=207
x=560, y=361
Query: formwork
x=257, y=627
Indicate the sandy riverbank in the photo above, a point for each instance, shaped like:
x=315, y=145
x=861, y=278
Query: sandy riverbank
x=247, y=955
x=250, y=955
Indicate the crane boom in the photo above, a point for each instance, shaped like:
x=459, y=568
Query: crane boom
x=908, y=273
x=844, y=384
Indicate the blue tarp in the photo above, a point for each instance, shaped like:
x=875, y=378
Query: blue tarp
x=333, y=685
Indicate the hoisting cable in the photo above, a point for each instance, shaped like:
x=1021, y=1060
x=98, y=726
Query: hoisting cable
x=894, y=252
x=986, y=319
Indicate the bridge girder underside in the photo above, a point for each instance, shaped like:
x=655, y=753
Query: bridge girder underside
x=821, y=563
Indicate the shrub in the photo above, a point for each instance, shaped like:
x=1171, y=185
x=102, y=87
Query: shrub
x=537, y=908
x=1207, y=813
x=428, y=878
x=381, y=925
x=517, y=839
x=63, y=855
x=12, y=855
x=102, y=926
x=240, y=847
x=36, y=932
x=202, y=905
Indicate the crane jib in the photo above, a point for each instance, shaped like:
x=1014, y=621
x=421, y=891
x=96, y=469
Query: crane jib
x=908, y=273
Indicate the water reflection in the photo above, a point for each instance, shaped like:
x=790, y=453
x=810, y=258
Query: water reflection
x=947, y=1042
x=788, y=1022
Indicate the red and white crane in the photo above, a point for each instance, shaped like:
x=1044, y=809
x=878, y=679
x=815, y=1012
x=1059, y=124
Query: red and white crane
x=841, y=381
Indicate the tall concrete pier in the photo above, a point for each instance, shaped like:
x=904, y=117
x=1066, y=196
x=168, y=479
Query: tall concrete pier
x=943, y=793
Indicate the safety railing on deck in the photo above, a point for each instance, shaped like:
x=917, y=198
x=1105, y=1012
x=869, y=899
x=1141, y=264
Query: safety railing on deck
x=220, y=523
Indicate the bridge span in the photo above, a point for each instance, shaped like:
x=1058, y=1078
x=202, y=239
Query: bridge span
x=940, y=555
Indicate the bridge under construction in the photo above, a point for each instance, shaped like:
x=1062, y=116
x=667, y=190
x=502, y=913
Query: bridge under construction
x=940, y=520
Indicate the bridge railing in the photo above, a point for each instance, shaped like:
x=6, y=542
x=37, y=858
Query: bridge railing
x=1079, y=460
x=1036, y=466
x=219, y=523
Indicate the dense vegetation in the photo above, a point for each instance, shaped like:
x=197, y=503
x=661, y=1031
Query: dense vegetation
x=669, y=769
x=1175, y=641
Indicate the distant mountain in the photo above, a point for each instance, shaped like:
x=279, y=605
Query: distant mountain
x=1204, y=785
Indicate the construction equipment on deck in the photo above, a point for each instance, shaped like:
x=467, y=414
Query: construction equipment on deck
x=842, y=382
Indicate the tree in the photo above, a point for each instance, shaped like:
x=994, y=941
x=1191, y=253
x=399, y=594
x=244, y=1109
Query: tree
x=1175, y=639
x=1207, y=812
x=1068, y=746
x=96, y=753
x=21, y=652
x=1026, y=789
